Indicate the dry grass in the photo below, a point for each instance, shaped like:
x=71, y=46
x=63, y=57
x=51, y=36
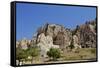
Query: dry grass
x=81, y=54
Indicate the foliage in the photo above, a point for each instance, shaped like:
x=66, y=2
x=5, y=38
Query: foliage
x=75, y=31
x=54, y=53
x=33, y=51
x=21, y=54
x=93, y=51
x=71, y=45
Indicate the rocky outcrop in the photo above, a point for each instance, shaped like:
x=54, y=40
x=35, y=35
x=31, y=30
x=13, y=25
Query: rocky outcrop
x=24, y=43
x=45, y=43
x=57, y=36
x=60, y=35
x=86, y=34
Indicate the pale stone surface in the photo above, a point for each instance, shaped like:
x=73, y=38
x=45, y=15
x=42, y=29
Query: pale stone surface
x=76, y=42
x=60, y=35
x=45, y=43
x=24, y=43
x=87, y=34
x=57, y=36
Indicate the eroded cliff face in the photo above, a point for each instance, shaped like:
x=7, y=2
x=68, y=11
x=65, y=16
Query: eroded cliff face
x=57, y=36
x=60, y=35
x=45, y=43
x=86, y=34
x=23, y=44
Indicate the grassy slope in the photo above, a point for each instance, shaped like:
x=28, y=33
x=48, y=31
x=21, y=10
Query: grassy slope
x=81, y=54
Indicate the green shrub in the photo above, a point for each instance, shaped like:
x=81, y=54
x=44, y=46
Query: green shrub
x=54, y=53
x=33, y=52
x=21, y=55
x=93, y=51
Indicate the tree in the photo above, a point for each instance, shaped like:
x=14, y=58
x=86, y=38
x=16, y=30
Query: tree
x=71, y=45
x=33, y=52
x=20, y=55
x=54, y=53
x=75, y=31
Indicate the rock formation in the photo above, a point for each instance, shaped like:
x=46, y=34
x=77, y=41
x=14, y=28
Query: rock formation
x=45, y=43
x=61, y=36
x=86, y=34
x=24, y=43
x=57, y=36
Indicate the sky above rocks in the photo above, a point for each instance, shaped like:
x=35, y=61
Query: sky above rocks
x=29, y=17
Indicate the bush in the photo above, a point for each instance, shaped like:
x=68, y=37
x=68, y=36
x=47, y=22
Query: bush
x=21, y=55
x=33, y=52
x=93, y=51
x=54, y=53
x=71, y=46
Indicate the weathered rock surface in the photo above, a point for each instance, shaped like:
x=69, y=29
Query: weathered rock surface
x=57, y=36
x=24, y=43
x=60, y=35
x=86, y=34
x=45, y=43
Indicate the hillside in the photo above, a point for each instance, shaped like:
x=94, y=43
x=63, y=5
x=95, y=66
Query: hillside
x=82, y=38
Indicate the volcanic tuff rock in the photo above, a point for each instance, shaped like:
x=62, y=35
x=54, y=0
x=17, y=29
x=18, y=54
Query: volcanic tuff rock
x=57, y=36
x=60, y=35
x=24, y=43
x=86, y=34
x=45, y=43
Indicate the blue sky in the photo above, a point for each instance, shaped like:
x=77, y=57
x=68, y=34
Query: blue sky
x=29, y=17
